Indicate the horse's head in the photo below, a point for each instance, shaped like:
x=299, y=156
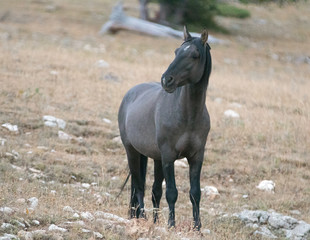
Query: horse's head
x=189, y=64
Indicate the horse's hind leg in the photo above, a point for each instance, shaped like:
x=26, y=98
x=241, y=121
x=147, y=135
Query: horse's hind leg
x=137, y=165
x=157, y=190
x=140, y=194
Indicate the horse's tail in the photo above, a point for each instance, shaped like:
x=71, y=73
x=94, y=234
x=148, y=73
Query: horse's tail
x=123, y=186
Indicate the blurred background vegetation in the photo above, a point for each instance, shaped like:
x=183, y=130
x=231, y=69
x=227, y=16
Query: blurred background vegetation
x=200, y=14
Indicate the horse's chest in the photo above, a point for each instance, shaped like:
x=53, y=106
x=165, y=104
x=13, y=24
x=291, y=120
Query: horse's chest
x=188, y=143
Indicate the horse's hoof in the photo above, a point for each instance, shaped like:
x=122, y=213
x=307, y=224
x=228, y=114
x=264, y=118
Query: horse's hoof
x=142, y=214
x=171, y=224
x=197, y=226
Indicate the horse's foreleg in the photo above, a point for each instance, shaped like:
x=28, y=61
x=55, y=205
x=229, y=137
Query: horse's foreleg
x=195, y=164
x=171, y=190
x=157, y=189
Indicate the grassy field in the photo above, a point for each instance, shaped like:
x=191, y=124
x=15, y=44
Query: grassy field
x=49, y=53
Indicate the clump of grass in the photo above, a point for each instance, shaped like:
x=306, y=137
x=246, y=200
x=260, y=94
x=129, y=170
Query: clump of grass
x=227, y=10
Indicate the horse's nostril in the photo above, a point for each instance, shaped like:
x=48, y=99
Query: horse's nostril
x=167, y=80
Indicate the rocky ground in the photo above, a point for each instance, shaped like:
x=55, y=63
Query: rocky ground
x=61, y=160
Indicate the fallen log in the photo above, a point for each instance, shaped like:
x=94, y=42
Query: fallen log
x=120, y=21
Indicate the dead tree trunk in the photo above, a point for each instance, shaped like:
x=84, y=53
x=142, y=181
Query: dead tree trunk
x=120, y=21
x=143, y=9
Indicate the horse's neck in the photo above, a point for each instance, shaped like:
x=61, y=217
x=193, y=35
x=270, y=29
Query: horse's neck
x=192, y=101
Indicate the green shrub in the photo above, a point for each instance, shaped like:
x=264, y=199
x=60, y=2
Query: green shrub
x=227, y=10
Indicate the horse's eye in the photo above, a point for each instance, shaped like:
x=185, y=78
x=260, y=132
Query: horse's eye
x=195, y=54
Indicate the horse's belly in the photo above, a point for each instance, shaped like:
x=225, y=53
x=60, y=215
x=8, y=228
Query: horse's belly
x=140, y=125
x=141, y=135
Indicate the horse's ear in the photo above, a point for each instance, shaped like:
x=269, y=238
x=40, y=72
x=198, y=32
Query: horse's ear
x=204, y=37
x=187, y=36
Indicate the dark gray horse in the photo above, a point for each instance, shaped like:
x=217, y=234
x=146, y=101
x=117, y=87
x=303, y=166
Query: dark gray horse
x=168, y=122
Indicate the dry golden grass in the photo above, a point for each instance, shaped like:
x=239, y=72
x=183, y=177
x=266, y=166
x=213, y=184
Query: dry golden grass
x=269, y=141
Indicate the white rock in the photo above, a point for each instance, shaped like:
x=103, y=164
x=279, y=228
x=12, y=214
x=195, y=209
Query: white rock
x=111, y=216
x=231, y=114
x=274, y=56
x=55, y=228
x=36, y=222
x=76, y=215
x=50, y=124
x=53, y=192
x=236, y=105
x=102, y=64
x=107, y=120
x=33, y=202
x=20, y=224
x=7, y=236
x=161, y=230
x=218, y=100
x=98, y=235
x=21, y=201
x=86, y=185
x=53, y=72
x=296, y=212
x=231, y=61
x=6, y=210
x=266, y=185
x=16, y=167
x=87, y=216
x=15, y=153
x=52, y=121
x=76, y=223
x=6, y=226
x=117, y=140
x=210, y=190
x=42, y=148
x=34, y=170
x=265, y=232
x=181, y=163
x=68, y=209
x=10, y=155
x=64, y=136
x=39, y=232
x=25, y=235
x=107, y=194
x=79, y=223
x=10, y=127
x=115, y=178
x=2, y=141
x=99, y=201
x=205, y=231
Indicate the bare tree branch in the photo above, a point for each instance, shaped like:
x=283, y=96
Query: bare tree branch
x=120, y=21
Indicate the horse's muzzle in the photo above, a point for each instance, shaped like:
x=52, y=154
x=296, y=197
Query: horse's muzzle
x=168, y=83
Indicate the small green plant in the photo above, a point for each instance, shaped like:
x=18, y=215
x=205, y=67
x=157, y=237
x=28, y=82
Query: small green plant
x=227, y=10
